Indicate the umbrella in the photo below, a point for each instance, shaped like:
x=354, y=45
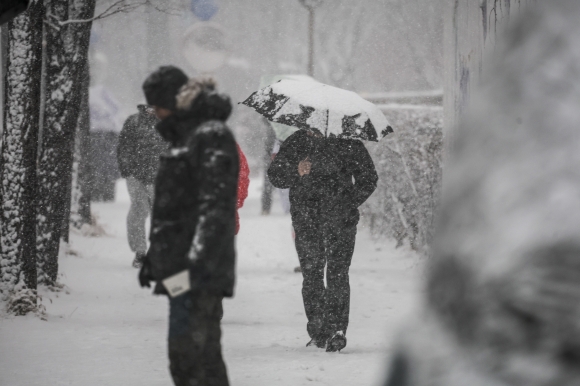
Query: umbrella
x=283, y=131
x=332, y=111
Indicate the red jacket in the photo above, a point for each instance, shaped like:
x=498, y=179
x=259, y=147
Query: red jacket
x=243, y=184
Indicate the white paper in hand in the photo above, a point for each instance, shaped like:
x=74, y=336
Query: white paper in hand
x=177, y=284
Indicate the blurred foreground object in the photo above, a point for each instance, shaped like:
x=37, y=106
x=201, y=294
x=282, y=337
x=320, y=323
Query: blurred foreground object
x=503, y=287
x=193, y=221
x=9, y=9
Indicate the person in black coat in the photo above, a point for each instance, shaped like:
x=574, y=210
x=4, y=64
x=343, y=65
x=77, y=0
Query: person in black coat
x=324, y=208
x=193, y=220
x=138, y=151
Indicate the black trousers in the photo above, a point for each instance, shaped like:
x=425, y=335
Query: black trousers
x=325, y=241
x=194, y=341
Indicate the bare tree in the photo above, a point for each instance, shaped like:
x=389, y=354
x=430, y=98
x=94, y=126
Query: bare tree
x=18, y=161
x=80, y=212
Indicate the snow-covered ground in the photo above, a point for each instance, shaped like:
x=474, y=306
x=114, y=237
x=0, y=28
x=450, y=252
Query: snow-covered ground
x=102, y=329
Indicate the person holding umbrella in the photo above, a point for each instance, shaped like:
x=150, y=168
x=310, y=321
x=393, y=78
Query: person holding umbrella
x=330, y=174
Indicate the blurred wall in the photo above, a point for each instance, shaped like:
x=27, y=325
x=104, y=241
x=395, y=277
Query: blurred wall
x=471, y=32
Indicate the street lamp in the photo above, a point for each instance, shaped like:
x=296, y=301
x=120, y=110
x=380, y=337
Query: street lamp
x=311, y=5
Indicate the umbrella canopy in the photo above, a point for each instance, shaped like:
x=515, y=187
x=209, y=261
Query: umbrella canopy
x=283, y=131
x=315, y=106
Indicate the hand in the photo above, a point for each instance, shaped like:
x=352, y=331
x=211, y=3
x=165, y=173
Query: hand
x=145, y=276
x=304, y=167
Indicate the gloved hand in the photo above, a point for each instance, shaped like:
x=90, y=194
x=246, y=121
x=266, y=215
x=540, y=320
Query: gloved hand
x=145, y=276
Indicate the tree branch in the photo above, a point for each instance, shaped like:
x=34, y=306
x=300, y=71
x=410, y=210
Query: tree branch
x=119, y=6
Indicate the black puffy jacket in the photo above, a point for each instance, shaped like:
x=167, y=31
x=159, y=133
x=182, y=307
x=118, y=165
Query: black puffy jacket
x=140, y=146
x=329, y=186
x=193, y=219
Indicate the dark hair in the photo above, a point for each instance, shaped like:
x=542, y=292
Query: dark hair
x=162, y=86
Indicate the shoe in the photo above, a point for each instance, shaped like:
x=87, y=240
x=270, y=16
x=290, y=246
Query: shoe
x=138, y=260
x=298, y=269
x=336, y=343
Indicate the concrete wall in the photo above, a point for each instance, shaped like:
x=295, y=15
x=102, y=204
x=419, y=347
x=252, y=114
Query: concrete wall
x=472, y=28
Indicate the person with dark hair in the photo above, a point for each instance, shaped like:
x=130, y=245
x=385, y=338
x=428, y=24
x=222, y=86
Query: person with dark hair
x=193, y=221
x=138, y=156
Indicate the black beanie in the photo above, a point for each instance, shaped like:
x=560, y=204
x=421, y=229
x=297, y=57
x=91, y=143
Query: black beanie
x=162, y=86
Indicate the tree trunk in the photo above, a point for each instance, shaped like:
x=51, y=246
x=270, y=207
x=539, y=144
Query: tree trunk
x=3, y=51
x=67, y=48
x=81, y=189
x=19, y=150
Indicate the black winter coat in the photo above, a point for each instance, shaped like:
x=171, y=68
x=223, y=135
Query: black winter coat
x=193, y=219
x=329, y=187
x=140, y=146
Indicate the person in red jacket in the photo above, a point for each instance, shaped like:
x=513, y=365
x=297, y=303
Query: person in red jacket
x=243, y=185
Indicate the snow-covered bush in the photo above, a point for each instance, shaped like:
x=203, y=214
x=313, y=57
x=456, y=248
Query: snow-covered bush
x=24, y=301
x=409, y=164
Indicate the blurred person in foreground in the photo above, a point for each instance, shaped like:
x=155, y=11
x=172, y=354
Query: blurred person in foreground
x=328, y=178
x=503, y=286
x=193, y=220
x=140, y=146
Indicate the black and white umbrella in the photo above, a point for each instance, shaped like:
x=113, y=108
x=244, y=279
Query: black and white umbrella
x=332, y=111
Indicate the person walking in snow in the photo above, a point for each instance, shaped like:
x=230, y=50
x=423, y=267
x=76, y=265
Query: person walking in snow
x=138, y=154
x=324, y=200
x=193, y=220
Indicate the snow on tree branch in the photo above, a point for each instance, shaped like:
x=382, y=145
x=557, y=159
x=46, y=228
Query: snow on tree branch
x=116, y=7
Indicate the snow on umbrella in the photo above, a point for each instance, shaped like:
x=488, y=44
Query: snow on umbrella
x=282, y=131
x=310, y=105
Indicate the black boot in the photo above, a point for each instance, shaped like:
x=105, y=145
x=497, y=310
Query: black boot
x=336, y=343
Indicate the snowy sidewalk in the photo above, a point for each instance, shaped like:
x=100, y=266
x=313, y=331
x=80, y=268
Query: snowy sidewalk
x=104, y=330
